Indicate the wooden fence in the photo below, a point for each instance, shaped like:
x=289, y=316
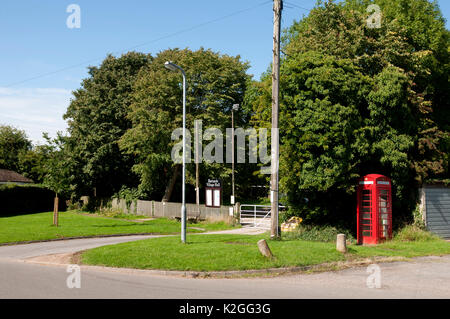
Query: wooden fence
x=173, y=210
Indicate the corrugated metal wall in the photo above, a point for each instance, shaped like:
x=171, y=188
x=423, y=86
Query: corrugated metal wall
x=437, y=210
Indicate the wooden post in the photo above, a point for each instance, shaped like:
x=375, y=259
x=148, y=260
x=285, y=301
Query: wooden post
x=264, y=248
x=55, y=211
x=277, y=9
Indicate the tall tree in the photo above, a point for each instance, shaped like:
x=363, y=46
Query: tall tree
x=13, y=143
x=32, y=162
x=97, y=118
x=214, y=83
x=359, y=100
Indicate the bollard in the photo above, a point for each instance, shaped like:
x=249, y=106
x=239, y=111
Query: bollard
x=264, y=248
x=341, y=245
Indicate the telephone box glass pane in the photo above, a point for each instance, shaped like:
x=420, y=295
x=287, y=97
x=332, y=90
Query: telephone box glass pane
x=366, y=210
x=384, y=212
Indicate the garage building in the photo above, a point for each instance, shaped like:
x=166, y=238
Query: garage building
x=435, y=207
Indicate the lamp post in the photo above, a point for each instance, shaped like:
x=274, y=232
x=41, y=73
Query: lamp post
x=234, y=108
x=173, y=67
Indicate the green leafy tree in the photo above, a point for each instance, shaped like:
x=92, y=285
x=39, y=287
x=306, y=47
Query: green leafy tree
x=31, y=163
x=214, y=83
x=357, y=100
x=57, y=176
x=13, y=143
x=97, y=118
x=424, y=30
x=57, y=172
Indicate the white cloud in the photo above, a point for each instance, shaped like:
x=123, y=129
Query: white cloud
x=34, y=110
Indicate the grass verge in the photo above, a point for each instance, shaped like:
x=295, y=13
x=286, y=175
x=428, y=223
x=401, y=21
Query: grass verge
x=240, y=252
x=39, y=226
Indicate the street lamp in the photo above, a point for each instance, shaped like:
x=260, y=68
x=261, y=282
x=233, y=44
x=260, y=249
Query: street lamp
x=234, y=108
x=173, y=67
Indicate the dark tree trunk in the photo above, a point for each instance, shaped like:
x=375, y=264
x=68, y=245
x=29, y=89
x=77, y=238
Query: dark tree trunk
x=171, y=185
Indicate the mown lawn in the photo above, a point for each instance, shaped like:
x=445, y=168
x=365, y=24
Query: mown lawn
x=240, y=252
x=72, y=224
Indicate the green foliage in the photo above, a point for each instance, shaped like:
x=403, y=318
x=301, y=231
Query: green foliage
x=214, y=83
x=56, y=169
x=114, y=213
x=418, y=219
x=13, y=143
x=317, y=233
x=414, y=233
x=97, y=118
x=356, y=101
x=31, y=163
x=129, y=195
x=95, y=204
x=122, y=118
x=25, y=199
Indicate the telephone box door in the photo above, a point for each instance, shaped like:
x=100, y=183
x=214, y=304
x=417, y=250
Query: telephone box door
x=374, y=209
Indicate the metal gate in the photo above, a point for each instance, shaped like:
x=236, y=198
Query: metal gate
x=258, y=216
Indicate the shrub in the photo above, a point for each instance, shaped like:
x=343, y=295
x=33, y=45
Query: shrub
x=24, y=199
x=95, y=204
x=317, y=233
x=414, y=233
x=110, y=212
x=418, y=218
x=130, y=195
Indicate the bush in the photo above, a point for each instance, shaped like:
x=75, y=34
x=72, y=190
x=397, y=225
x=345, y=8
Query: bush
x=110, y=212
x=94, y=204
x=418, y=218
x=25, y=199
x=414, y=233
x=317, y=233
x=130, y=195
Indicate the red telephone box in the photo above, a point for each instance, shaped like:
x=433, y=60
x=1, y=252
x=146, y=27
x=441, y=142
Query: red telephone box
x=374, y=209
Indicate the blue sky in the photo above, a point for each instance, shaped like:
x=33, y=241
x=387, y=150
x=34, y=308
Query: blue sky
x=42, y=60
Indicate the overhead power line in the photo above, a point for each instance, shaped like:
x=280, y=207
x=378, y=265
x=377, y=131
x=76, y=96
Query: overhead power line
x=144, y=43
x=290, y=4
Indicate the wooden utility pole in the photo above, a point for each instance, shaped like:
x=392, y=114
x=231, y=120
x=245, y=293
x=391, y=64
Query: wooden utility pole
x=277, y=9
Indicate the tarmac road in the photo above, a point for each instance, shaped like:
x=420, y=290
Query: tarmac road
x=425, y=277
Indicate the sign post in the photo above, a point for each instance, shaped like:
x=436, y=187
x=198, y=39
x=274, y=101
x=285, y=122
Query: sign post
x=213, y=195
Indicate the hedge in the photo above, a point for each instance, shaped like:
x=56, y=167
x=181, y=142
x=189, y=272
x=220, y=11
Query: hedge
x=26, y=199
